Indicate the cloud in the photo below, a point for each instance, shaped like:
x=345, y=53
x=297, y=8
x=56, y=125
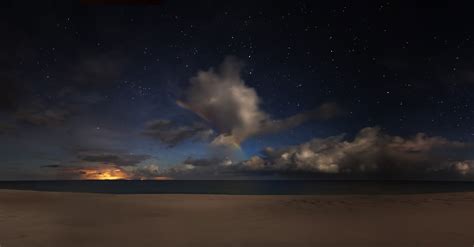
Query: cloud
x=68, y=101
x=371, y=154
x=74, y=86
x=119, y=159
x=465, y=76
x=371, y=151
x=208, y=162
x=254, y=163
x=41, y=115
x=96, y=172
x=98, y=70
x=6, y=128
x=106, y=171
x=465, y=167
x=172, y=134
x=191, y=168
x=109, y=164
x=9, y=93
x=223, y=100
x=51, y=166
x=422, y=143
x=325, y=111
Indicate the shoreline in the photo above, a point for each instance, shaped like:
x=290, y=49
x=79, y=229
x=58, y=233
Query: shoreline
x=243, y=187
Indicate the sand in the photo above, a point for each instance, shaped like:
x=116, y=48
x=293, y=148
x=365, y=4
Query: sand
x=79, y=219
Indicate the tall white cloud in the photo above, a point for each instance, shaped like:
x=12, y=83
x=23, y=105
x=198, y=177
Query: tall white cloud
x=223, y=99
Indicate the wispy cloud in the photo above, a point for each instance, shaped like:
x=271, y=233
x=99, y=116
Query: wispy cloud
x=171, y=133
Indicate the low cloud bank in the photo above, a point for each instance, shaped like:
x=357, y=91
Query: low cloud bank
x=370, y=154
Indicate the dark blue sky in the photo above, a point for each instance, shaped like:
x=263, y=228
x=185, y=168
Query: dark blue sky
x=94, y=86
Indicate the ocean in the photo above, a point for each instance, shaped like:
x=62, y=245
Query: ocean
x=241, y=187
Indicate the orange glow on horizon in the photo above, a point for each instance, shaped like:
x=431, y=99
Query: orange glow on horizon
x=103, y=173
x=112, y=172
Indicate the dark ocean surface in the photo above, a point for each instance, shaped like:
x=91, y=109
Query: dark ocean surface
x=242, y=187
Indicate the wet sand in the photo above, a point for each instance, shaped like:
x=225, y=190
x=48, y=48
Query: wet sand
x=79, y=219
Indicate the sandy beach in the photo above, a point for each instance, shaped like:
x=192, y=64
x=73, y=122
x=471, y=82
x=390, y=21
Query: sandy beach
x=80, y=219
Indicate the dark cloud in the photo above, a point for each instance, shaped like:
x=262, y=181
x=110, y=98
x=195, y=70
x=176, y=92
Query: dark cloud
x=121, y=2
x=465, y=76
x=51, y=166
x=73, y=87
x=119, y=159
x=97, y=71
x=68, y=101
x=325, y=111
x=12, y=79
x=110, y=171
x=9, y=94
x=42, y=115
x=171, y=134
x=207, y=161
x=101, y=164
x=6, y=128
x=221, y=98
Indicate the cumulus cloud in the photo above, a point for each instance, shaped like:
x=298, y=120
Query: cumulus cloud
x=254, y=163
x=371, y=154
x=172, y=134
x=465, y=167
x=221, y=98
x=371, y=151
x=147, y=171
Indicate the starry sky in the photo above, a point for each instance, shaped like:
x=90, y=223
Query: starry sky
x=236, y=90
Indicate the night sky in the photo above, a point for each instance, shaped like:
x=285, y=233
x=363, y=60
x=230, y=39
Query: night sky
x=234, y=90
